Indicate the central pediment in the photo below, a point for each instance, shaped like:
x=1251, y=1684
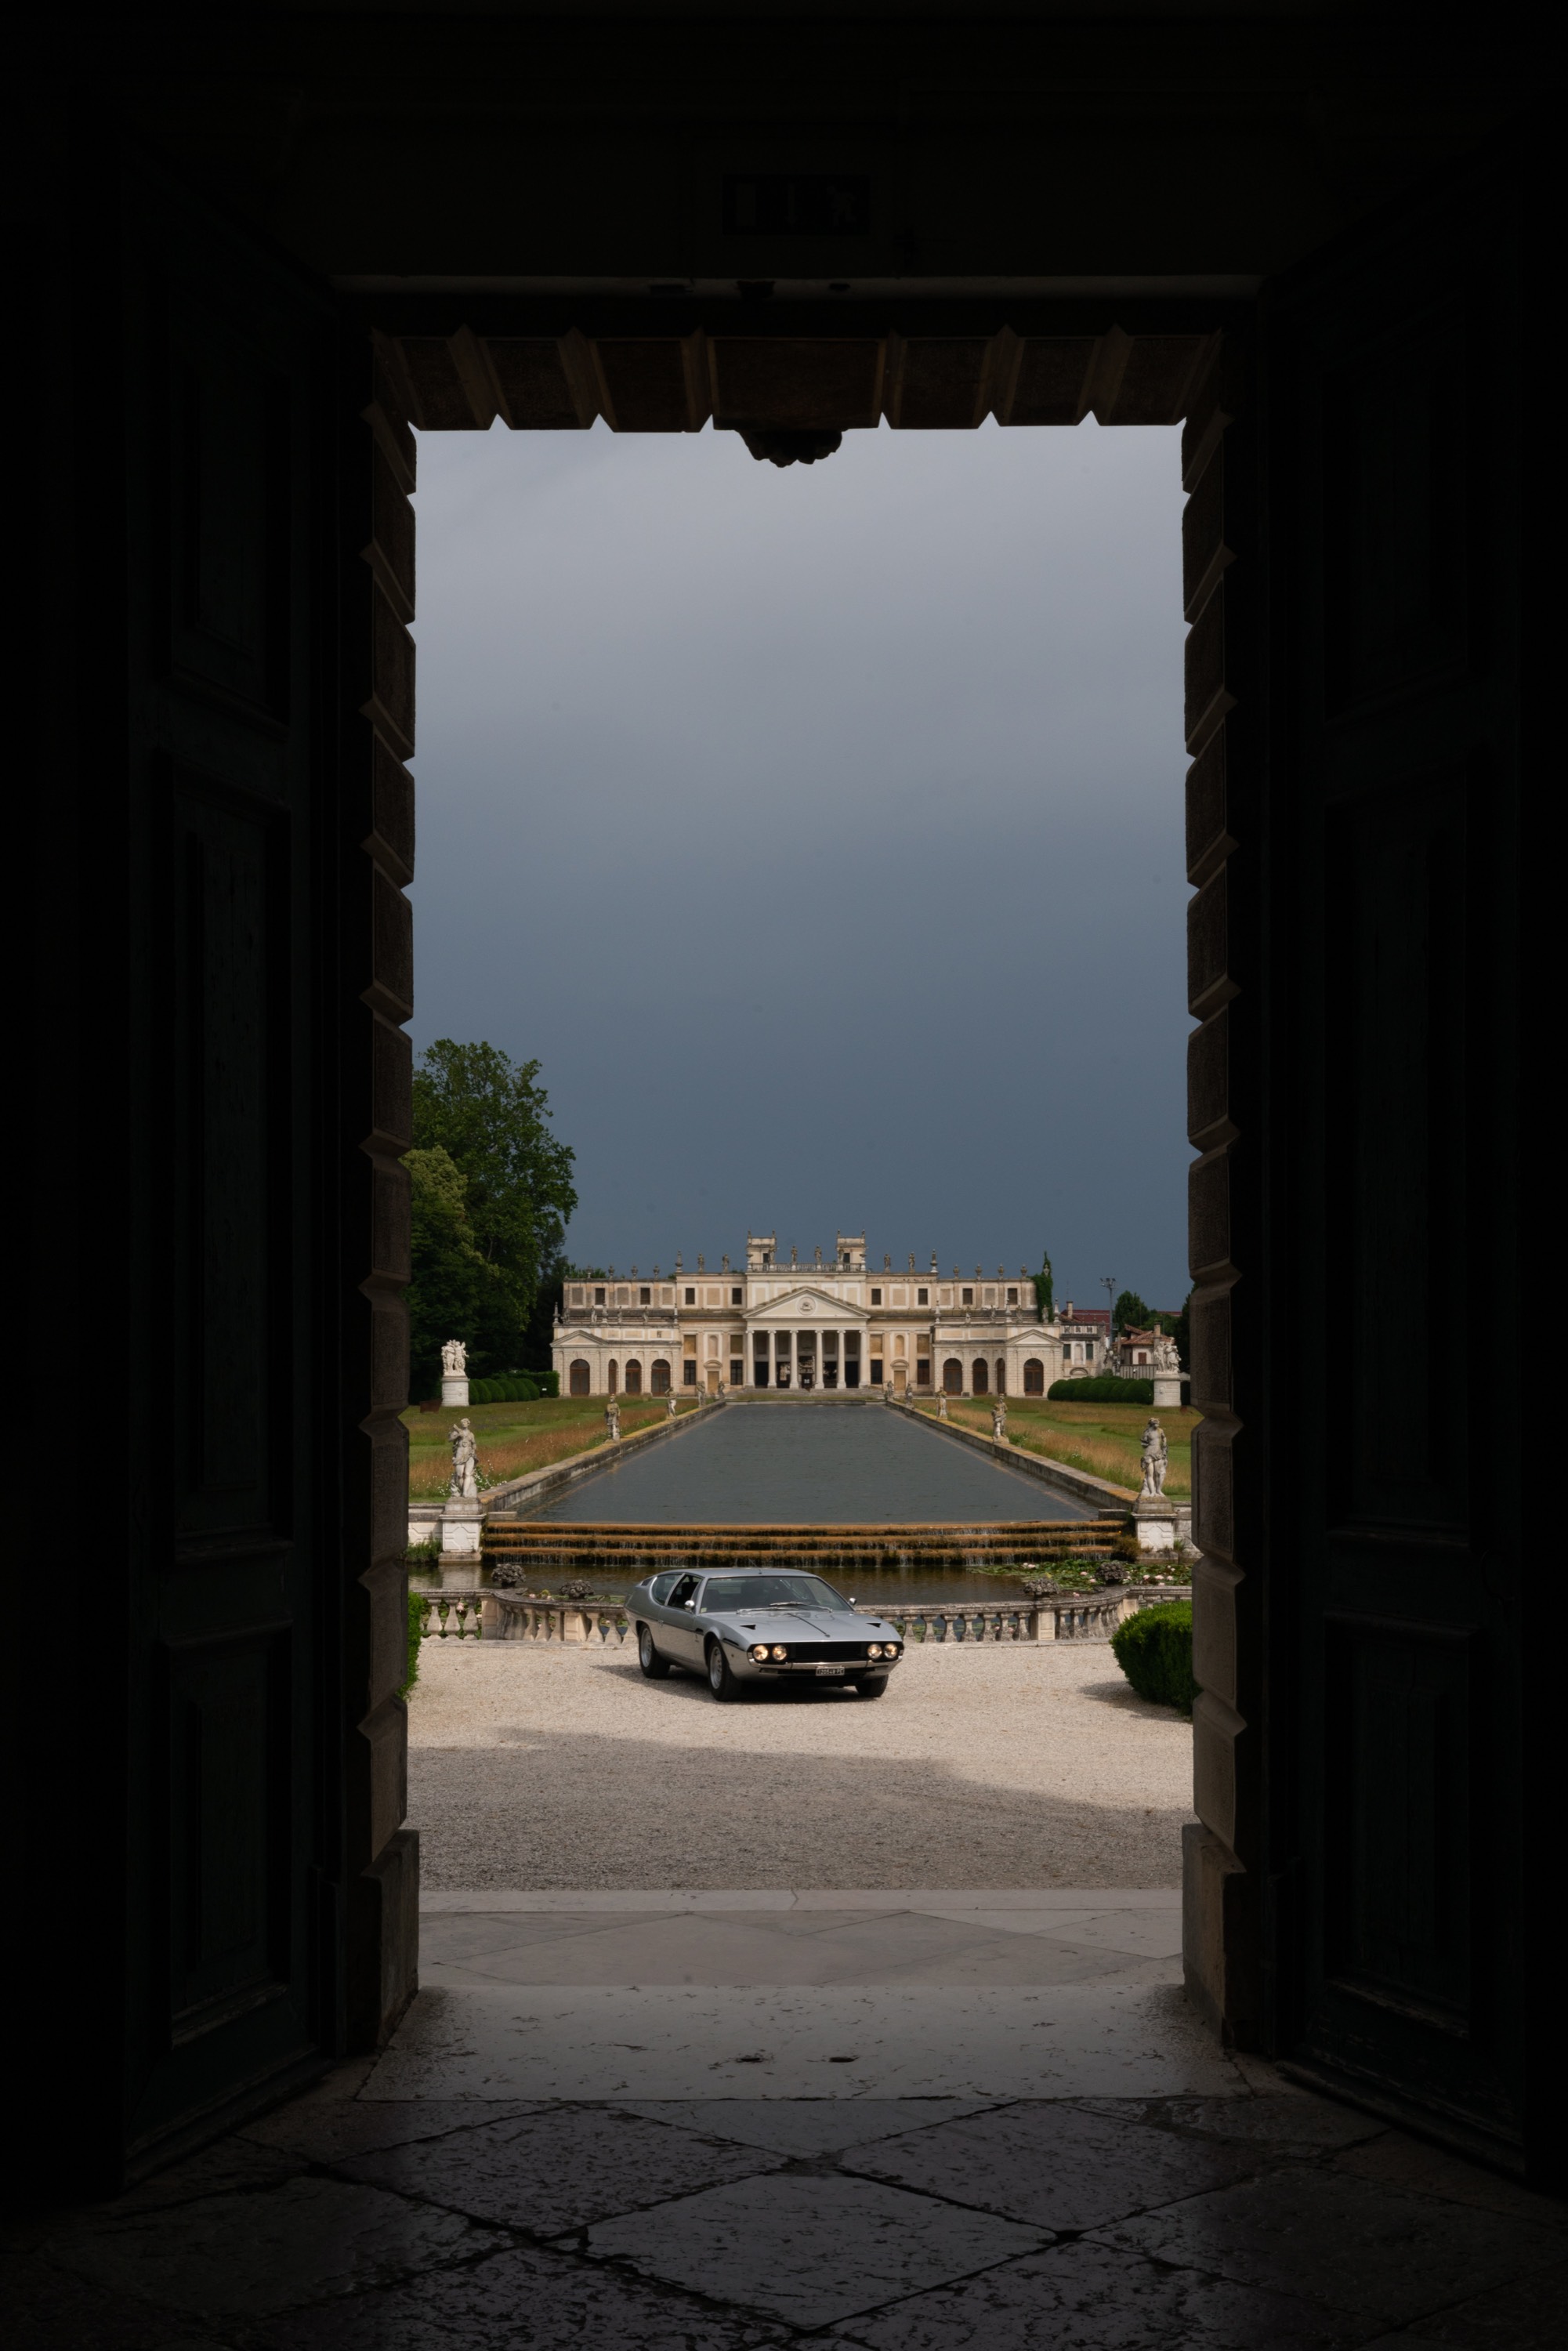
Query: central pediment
x=808, y=1304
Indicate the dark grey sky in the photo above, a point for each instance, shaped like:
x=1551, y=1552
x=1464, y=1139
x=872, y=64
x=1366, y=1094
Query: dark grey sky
x=820, y=831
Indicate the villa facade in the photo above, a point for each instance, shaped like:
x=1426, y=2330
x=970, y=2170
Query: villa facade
x=827, y=1325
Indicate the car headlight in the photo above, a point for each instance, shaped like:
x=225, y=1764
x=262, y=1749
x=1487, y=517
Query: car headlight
x=779, y=1651
x=874, y=1650
x=890, y=1648
x=759, y=1651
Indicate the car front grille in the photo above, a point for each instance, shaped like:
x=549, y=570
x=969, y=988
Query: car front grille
x=826, y=1653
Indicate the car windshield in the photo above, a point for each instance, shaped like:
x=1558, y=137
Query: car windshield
x=731, y=1594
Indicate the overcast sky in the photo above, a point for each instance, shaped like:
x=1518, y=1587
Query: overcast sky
x=820, y=832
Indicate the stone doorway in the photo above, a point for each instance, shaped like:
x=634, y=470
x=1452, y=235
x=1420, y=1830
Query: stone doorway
x=1360, y=708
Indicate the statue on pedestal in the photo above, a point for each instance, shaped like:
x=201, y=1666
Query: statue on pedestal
x=670, y=1405
x=1156, y=1456
x=612, y=1419
x=453, y=1372
x=1165, y=1357
x=941, y=1403
x=465, y=1483
x=999, y=1421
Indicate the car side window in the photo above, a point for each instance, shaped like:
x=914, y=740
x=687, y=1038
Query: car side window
x=662, y=1585
x=684, y=1593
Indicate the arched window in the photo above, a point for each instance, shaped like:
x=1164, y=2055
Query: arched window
x=1001, y=1375
x=953, y=1376
x=1033, y=1376
x=577, y=1379
x=634, y=1379
x=660, y=1382
x=614, y=1376
x=982, y=1379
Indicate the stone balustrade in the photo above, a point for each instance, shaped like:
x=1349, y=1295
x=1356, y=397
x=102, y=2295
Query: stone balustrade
x=453, y=1615
x=604, y=1624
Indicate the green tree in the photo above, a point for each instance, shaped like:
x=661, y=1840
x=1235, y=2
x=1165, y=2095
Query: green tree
x=1045, y=1289
x=1131, y=1314
x=491, y=1117
x=449, y=1294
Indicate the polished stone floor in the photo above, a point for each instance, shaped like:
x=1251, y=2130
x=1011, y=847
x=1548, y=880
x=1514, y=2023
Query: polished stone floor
x=923, y=2122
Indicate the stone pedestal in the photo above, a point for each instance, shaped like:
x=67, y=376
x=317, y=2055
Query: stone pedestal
x=1159, y=1523
x=454, y=1388
x=462, y=1524
x=1167, y=1392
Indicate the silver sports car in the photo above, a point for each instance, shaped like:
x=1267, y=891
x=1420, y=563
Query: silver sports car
x=743, y=1626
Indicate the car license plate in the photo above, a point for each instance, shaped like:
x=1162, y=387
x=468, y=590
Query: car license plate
x=831, y=1670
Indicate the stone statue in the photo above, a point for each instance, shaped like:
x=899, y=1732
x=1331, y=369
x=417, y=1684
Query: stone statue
x=999, y=1421
x=941, y=1403
x=1165, y=1357
x=723, y=1391
x=464, y=1485
x=1156, y=1456
x=454, y=1359
x=612, y=1419
x=670, y=1405
x=887, y=1391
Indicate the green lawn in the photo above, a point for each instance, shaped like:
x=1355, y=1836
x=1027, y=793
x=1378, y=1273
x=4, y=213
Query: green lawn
x=1102, y=1439
x=517, y=1438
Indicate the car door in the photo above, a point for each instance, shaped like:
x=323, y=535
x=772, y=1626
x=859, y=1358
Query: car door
x=679, y=1635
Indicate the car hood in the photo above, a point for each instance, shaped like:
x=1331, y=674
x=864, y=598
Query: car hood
x=798, y=1623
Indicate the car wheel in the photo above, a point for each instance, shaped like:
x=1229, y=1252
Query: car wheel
x=648, y=1657
x=720, y=1680
x=871, y=1685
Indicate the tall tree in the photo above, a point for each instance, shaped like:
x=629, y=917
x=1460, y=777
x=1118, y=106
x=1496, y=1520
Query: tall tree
x=1045, y=1289
x=491, y=1117
x=1132, y=1313
x=449, y=1293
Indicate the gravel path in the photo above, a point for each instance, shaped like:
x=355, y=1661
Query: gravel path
x=981, y=1766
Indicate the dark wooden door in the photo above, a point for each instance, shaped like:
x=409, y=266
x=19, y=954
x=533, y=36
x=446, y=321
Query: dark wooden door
x=229, y=635
x=1398, y=1791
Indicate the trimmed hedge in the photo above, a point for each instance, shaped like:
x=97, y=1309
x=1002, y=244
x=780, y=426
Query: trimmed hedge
x=527, y=1387
x=1102, y=1391
x=1154, y=1649
x=418, y=1609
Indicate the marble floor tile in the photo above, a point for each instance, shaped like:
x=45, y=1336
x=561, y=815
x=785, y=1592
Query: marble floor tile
x=1084, y=2297
x=520, y=2301
x=810, y=2249
x=322, y=2134
x=1346, y=2241
x=911, y=2041
x=1054, y=2166
x=1145, y=1934
x=730, y=1952
x=1286, y=2120
x=1394, y=2160
x=1531, y=2315
x=245, y=2255
x=45, y=2309
x=557, y=2170
x=806, y=2127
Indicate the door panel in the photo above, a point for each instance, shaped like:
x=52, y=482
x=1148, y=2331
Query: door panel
x=227, y=781
x=1399, y=1886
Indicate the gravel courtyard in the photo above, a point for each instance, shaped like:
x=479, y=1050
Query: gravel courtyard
x=981, y=1766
